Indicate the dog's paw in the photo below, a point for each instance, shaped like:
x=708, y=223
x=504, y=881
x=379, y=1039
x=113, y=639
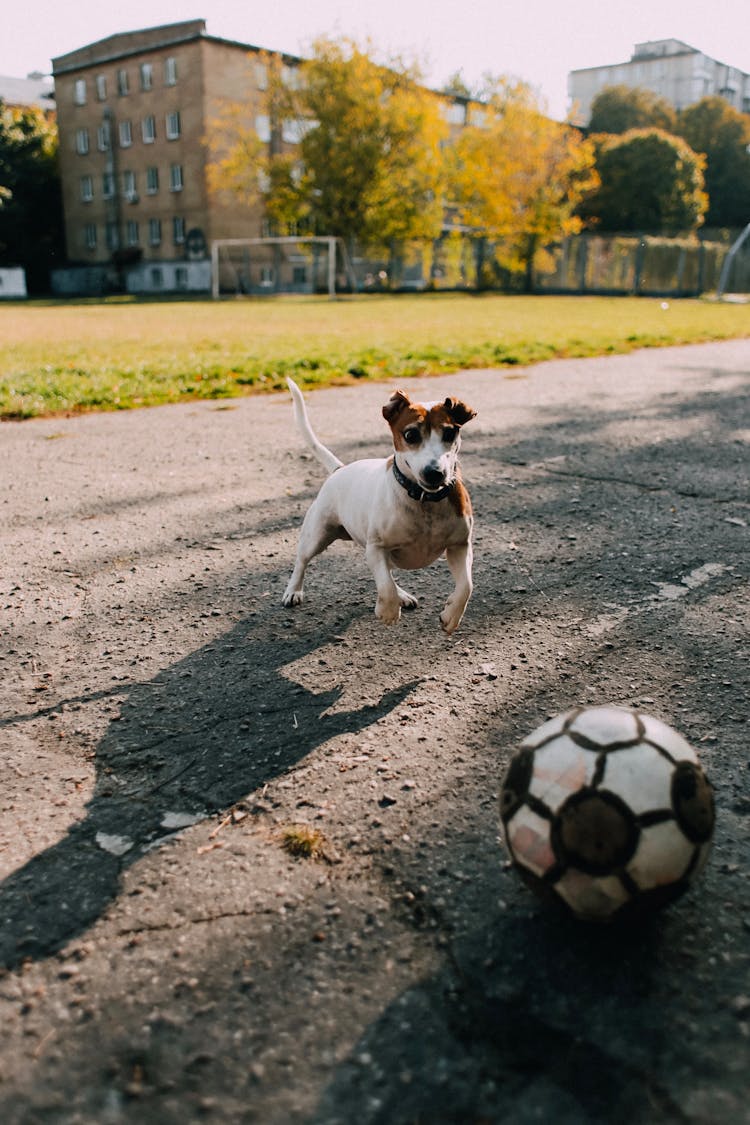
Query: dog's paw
x=387, y=612
x=407, y=600
x=292, y=597
x=451, y=618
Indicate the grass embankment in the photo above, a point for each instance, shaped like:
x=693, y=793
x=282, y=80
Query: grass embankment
x=114, y=355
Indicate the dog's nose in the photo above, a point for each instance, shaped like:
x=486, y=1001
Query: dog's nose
x=433, y=477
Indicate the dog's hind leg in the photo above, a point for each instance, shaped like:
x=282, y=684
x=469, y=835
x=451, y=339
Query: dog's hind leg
x=315, y=536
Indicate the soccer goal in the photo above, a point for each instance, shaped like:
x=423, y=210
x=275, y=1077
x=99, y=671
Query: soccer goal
x=278, y=265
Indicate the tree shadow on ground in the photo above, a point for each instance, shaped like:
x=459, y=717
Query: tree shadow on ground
x=193, y=741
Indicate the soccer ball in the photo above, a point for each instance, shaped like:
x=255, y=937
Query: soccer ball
x=607, y=810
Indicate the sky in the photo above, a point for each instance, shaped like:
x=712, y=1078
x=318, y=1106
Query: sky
x=539, y=41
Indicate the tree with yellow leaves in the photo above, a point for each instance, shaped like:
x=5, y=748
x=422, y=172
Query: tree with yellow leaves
x=517, y=177
x=368, y=164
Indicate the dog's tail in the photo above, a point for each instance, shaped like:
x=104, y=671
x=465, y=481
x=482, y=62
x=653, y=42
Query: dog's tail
x=328, y=460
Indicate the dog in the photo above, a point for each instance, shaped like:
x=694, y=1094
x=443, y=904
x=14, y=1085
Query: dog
x=405, y=510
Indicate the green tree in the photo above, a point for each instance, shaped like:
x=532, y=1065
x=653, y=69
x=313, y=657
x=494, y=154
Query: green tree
x=517, y=177
x=722, y=134
x=368, y=166
x=650, y=181
x=31, y=222
x=618, y=109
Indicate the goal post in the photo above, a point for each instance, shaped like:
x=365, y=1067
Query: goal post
x=285, y=264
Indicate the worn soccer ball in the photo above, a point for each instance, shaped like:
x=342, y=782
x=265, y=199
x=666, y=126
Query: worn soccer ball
x=607, y=810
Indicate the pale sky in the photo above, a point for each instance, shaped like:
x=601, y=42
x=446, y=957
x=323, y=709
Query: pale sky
x=537, y=40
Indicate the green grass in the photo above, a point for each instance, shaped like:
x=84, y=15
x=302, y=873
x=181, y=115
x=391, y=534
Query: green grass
x=60, y=358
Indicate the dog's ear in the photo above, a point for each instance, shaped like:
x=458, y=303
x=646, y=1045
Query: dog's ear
x=458, y=411
x=396, y=403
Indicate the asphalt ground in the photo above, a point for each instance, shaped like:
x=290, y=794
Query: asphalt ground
x=168, y=728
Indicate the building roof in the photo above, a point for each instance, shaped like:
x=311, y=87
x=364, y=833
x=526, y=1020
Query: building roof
x=36, y=90
x=129, y=43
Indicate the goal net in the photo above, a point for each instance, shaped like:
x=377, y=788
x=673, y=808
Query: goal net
x=278, y=265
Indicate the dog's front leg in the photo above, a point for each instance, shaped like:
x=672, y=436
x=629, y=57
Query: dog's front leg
x=459, y=560
x=388, y=605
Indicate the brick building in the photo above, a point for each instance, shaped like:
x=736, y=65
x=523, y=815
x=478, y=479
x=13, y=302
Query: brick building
x=667, y=67
x=133, y=113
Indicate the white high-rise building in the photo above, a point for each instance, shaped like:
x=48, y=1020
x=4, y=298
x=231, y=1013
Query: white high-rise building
x=668, y=67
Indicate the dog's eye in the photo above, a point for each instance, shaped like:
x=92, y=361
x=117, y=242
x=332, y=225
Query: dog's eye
x=412, y=437
x=449, y=434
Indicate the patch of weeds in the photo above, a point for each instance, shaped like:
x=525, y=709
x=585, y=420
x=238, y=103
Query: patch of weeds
x=303, y=842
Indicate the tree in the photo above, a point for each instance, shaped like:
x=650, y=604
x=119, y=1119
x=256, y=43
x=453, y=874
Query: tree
x=716, y=129
x=371, y=149
x=31, y=223
x=368, y=166
x=650, y=181
x=518, y=176
x=618, y=109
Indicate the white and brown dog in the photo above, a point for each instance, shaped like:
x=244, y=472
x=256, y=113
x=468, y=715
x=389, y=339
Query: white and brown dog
x=404, y=510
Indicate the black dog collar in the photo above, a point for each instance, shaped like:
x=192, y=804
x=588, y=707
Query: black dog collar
x=414, y=490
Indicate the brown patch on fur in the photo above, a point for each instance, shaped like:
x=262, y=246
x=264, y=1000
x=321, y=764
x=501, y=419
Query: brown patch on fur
x=396, y=403
x=400, y=413
x=458, y=411
x=459, y=498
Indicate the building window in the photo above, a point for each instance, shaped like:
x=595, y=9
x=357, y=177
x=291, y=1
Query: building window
x=113, y=237
x=293, y=130
x=129, y=188
x=454, y=113
x=108, y=185
x=87, y=189
x=102, y=137
x=261, y=76
x=173, y=126
x=175, y=177
x=148, y=130
x=154, y=232
x=290, y=76
x=101, y=87
x=79, y=91
x=147, y=76
x=152, y=181
x=132, y=232
x=123, y=86
x=82, y=141
x=170, y=72
x=263, y=127
x=266, y=276
x=89, y=236
x=181, y=277
x=178, y=230
x=157, y=277
x=126, y=134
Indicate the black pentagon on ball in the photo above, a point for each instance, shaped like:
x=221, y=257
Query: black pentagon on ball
x=516, y=783
x=595, y=831
x=693, y=802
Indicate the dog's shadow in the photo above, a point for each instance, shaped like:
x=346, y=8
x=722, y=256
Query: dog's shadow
x=189, y=743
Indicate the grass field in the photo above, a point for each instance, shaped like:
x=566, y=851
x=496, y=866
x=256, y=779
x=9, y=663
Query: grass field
x=62, y=358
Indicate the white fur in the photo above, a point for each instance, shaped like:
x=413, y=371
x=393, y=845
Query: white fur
x=364, y=502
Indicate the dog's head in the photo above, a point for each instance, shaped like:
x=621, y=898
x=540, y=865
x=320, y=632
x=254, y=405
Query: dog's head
x=427, y=437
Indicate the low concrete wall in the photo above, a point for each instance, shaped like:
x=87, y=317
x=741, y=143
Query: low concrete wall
x=169, y=277
x=12, y=282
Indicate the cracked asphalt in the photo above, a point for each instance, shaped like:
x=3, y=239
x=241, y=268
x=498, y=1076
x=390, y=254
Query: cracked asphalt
x=165, y=725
